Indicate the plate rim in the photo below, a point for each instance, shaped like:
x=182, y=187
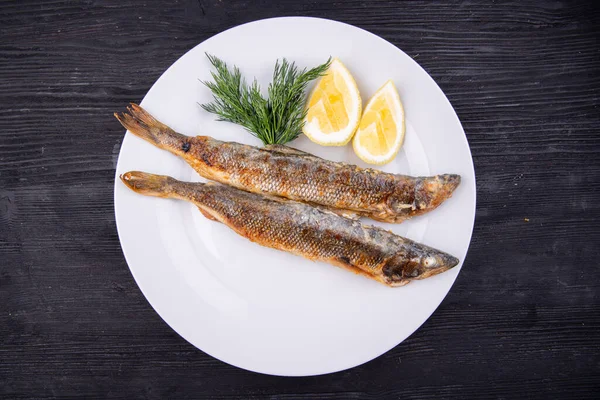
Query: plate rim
x=428, y=315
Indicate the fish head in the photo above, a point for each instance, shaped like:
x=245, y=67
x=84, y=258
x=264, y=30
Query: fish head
x=427, y=194
x=432, y=191
x=403, y=268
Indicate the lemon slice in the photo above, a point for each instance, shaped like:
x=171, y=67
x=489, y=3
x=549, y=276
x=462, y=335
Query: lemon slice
x=381, y=131
x=334, y=108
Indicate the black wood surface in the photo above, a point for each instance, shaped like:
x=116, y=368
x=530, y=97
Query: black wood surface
x=522, y=320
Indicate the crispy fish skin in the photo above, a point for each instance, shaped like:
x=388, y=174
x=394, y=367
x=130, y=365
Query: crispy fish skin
x=303, y=230
x=286, y=172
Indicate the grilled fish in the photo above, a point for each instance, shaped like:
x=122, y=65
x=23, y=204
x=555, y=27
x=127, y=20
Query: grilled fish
x=286, y=172
x=300, y=229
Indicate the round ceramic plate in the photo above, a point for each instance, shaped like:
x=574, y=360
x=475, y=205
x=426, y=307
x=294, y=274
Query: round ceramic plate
x=262, y=309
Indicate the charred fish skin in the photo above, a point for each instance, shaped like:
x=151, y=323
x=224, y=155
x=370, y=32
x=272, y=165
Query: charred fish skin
x=303, y=230
x=286, y=172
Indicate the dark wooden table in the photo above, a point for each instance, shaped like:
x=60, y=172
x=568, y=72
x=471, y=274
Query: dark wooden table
x=522, y=320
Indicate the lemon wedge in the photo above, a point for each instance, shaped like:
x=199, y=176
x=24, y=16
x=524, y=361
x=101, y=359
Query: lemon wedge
x=334, y=108
x=381, y=130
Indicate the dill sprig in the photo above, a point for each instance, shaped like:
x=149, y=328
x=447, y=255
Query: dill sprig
x=277, y=119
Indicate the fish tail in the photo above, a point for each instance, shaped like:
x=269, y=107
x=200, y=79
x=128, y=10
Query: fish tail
x=149, y=184
x=139, y=122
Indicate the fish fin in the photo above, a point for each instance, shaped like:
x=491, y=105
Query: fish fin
x=353, y=215
x=148, y=184
x=341, y=212
x=280, y=148
x=207, y=215
x=347, y=265
x=139, y=122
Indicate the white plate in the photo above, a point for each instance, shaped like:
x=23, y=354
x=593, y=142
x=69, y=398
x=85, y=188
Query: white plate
x=262, y=309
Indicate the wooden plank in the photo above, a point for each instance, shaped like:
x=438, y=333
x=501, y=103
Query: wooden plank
x=522, y=319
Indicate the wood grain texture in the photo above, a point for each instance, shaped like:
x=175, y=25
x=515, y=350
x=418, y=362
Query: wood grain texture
x=522, y=320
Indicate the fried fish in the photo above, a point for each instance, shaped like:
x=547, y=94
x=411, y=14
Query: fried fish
x=286, y=172
x=303, y=230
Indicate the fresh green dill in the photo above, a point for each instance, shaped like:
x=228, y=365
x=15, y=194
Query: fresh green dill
x=279, y=118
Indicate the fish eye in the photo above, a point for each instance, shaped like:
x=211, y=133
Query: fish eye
x=430, y=262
